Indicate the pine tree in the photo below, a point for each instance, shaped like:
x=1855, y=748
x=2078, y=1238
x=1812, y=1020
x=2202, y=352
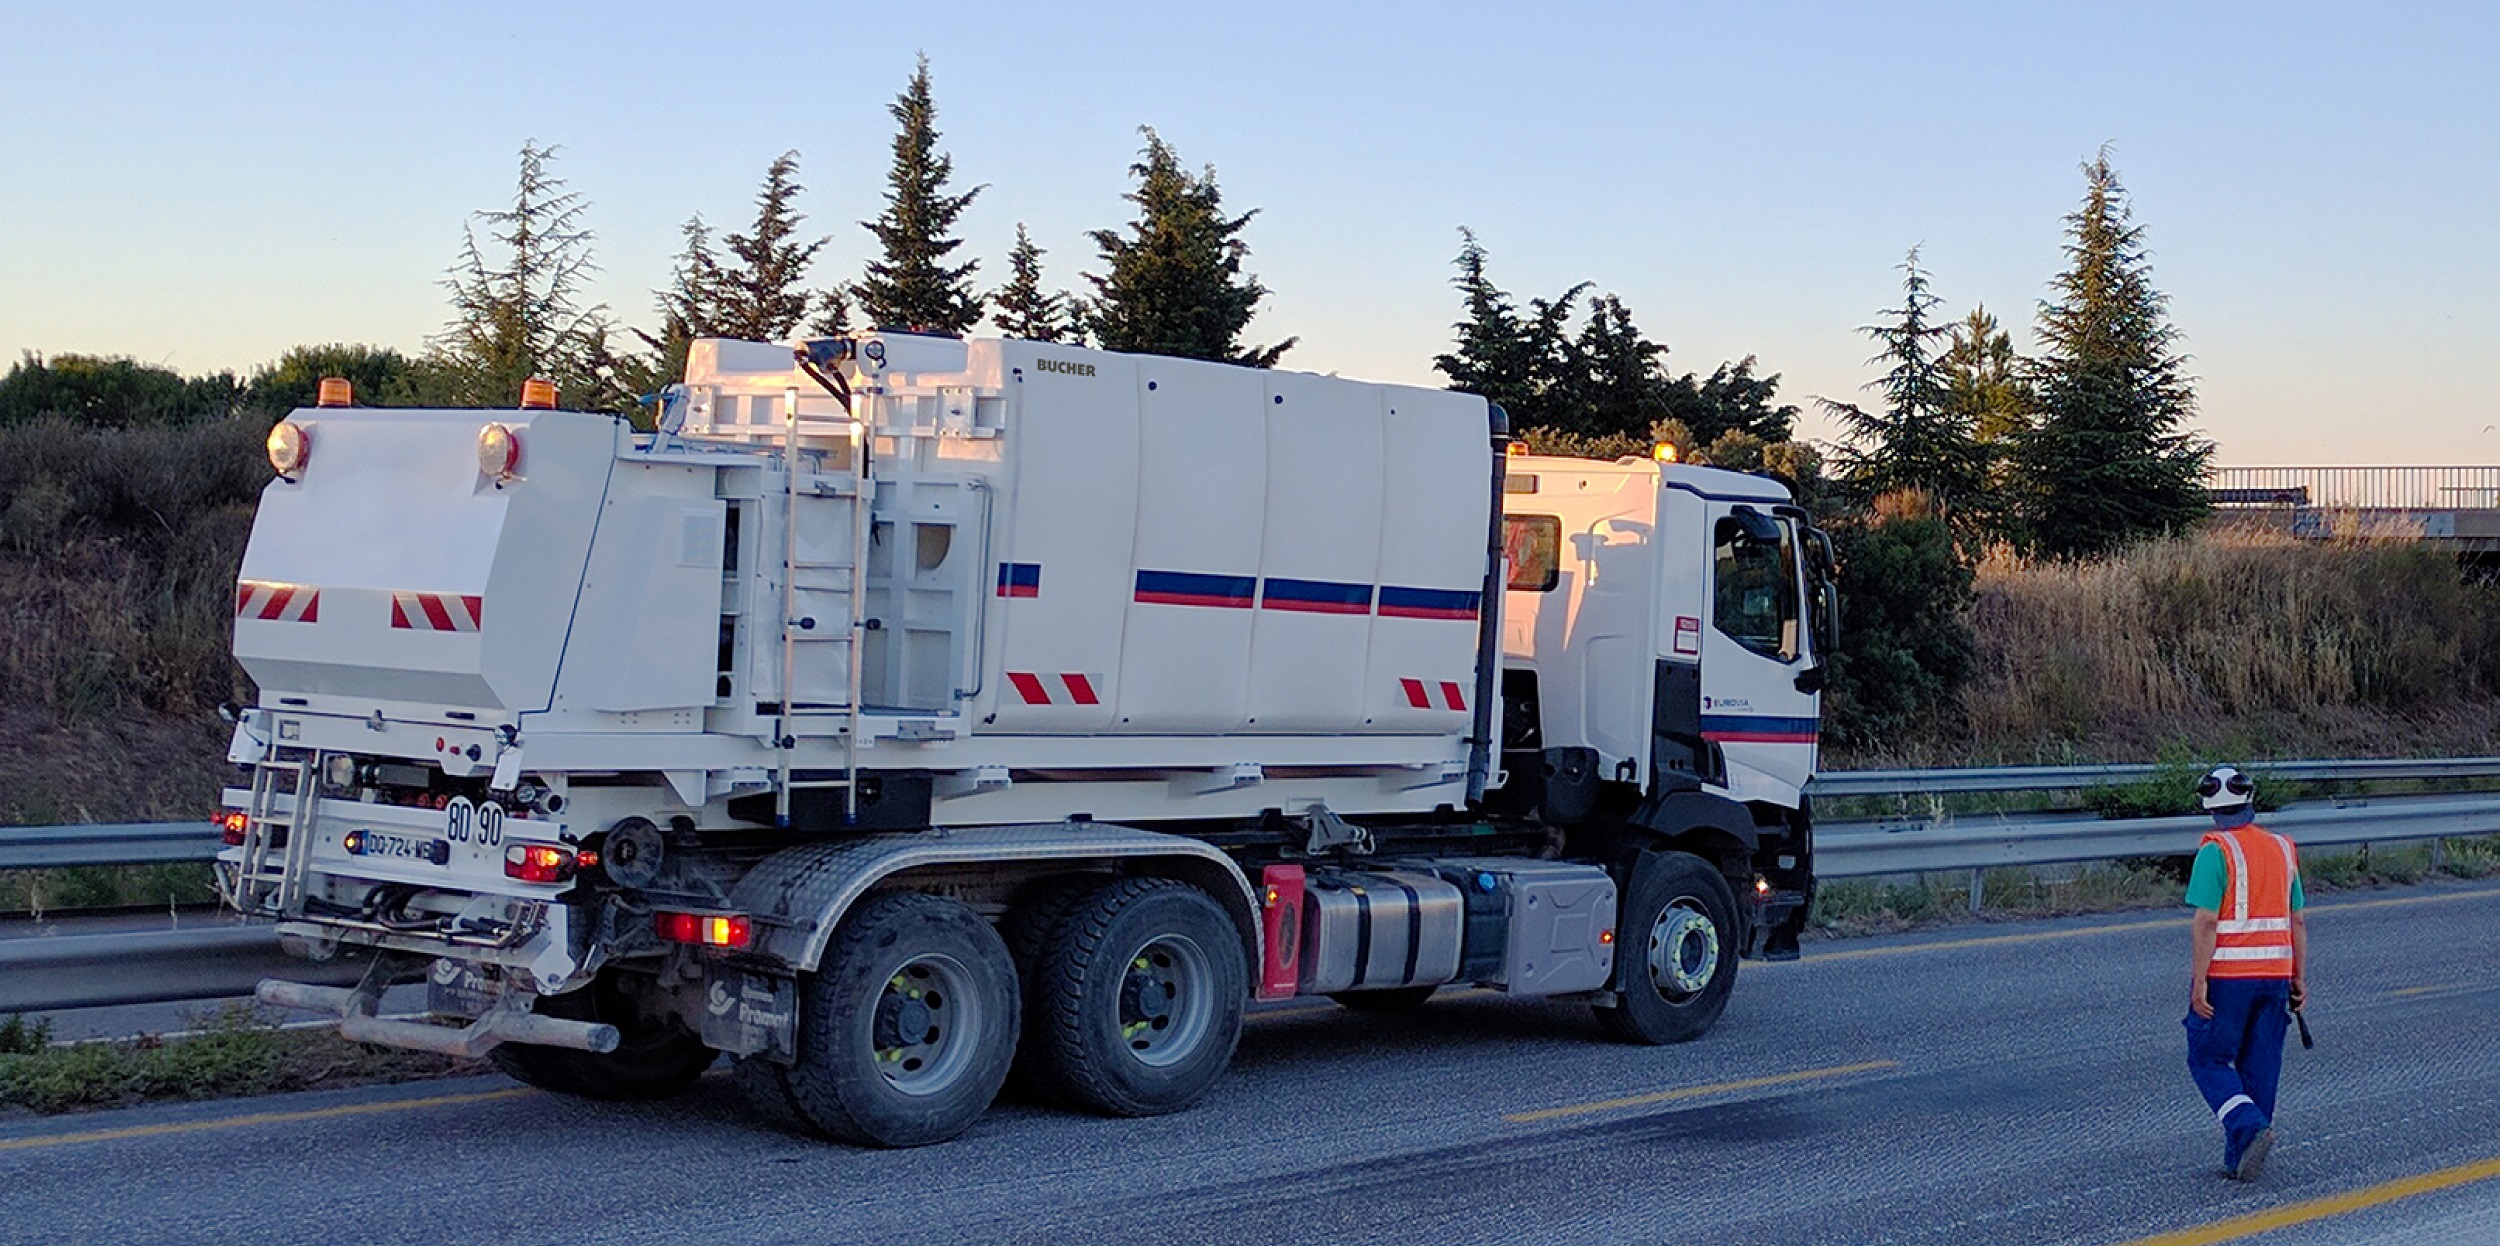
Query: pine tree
x=1733, y=400
x=2109, y=460
x=913, y=287
x=689, y=308
x=1021, y=307
x=1624, y=389
x=1983, y=385
x=1915, y=441
x=1174, y=284
x=762, y=292
x=520, y=316
x=1490, y=355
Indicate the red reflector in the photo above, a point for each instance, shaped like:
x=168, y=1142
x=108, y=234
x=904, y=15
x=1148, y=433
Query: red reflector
x=731, y=930
x=231, y=824
x=538, y=863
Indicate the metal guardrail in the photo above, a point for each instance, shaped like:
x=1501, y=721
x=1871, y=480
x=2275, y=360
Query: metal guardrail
x=107, y=843
x=1859, y=849
x=43, y=973
x=48, y=973
x=2067, y=778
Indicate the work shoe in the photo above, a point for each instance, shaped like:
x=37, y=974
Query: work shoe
x=2251, y=1159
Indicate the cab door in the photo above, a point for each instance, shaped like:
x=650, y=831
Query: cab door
x=1761, y=681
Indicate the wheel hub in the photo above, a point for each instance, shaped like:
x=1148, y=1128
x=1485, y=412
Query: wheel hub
x=1165, y=1000
x=1683, y=951
x=919, y=1033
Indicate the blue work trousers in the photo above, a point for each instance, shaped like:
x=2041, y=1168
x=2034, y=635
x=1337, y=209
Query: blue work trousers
x=2236, y=1056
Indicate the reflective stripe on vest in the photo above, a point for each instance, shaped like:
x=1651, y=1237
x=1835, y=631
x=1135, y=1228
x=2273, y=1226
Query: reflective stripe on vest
x=2253, y=928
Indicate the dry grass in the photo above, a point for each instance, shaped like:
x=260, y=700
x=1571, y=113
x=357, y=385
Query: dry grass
x=233, y=1052
x=2230, y=641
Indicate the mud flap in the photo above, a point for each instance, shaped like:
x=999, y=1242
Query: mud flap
x=748, y=1014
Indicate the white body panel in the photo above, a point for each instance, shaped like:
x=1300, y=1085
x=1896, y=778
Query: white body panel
x=1158, y=587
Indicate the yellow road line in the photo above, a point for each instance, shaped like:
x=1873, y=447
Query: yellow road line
x=1316, y=1007
x=256, y=1118
x=1696, y=1092
x=2322, y=1208
x=2039, y=936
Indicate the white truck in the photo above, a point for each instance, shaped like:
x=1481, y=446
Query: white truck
x=909, y=711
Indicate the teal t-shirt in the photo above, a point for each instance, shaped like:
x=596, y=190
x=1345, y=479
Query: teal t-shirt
x=2205, y=882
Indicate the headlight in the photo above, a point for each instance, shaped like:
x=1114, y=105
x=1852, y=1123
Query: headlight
x=290, y=444
x=498, y=451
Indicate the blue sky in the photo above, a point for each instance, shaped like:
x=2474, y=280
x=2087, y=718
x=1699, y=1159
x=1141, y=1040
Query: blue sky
x=204, y=185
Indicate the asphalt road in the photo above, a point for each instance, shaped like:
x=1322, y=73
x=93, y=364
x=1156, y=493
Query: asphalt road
x=2018, y=1083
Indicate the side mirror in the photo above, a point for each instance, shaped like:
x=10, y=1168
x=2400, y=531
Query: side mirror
x=1826, y=619
x=1755, y=525
x=1812, y=679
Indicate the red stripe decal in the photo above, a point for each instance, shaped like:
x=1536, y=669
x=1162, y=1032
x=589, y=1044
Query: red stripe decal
x=476, y=606
x=399, y=611
x=242, y=598
x=1081, y=689
x=1451, y=696
x=312, y=608
x=435, y=614
x=1029, y=686
x=276, y=605
x=1415, y=693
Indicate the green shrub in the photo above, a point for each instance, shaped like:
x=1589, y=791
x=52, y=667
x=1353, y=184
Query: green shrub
x=1906, y=643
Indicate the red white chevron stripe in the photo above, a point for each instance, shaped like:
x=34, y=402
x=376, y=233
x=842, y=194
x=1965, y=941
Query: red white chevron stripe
x=1418, y=696
x=437, y=612
x=276, y=603
x=1035, y=689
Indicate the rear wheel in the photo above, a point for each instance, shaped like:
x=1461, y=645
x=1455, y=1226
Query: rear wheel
x=654, y=1058
x=1675, y=951
x=1139, y=998
x=1031, y=923
x=905, y=1032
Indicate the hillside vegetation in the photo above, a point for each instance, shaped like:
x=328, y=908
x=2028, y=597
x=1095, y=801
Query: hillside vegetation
x=2227, y=642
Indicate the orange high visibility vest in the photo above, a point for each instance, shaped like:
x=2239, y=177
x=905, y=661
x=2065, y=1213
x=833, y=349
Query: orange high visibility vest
x=2253, y=928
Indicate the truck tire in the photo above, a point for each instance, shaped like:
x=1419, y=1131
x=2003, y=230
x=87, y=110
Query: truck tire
x=905, y=1031
x=652, y=1060
x=1139, y=999
x=1394, y=999
x=1676, y=951
x=1031, y=922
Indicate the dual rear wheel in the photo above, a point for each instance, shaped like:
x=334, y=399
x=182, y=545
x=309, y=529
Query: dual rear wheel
x=1123, y=997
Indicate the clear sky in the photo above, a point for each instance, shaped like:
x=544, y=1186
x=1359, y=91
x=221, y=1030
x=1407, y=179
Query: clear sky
x=203, y=185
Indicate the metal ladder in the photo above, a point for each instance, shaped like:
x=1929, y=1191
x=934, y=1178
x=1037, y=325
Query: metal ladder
x=301, y=793
x=795, y=630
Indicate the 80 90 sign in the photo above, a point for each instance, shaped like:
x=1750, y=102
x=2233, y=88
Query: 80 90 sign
x=464, y=822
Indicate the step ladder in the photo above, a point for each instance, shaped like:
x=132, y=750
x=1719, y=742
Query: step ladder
x=798, y=630
x=286, y=799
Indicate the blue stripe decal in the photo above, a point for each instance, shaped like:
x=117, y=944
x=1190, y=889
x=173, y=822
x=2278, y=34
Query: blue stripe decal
x=1427, y=603
x=1760, y=724
x=1189, y=588
x=1318, y=596
x=1019, y=579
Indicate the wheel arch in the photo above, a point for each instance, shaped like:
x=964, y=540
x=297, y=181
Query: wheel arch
x=799, y=896
x=1714, y=828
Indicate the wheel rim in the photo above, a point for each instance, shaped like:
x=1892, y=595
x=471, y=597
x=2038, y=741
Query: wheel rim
x=1683, y=950
x=926, y=1025
x=1166, y=999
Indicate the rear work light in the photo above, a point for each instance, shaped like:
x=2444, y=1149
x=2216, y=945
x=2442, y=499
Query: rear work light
x=538, y=863
x=499, y=451
x=731, y=930
x=290, y=444
x=230, y=826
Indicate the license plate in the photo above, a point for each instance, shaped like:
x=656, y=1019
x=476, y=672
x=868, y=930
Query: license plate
x=390, y=847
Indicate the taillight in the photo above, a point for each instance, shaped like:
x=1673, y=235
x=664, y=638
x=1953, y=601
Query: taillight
x=230, y=826
x=731, y=930
x=538, y=863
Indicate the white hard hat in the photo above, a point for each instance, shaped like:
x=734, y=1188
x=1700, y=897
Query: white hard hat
x=2225, y=788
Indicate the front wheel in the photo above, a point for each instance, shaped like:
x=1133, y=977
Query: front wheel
x=1676, y=948
x=905, y=1032
x=1138, y=998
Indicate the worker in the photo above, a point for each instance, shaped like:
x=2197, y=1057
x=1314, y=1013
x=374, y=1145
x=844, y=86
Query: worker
x=2251, y=952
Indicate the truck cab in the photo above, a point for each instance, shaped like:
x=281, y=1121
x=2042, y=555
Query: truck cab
x=1717, y=587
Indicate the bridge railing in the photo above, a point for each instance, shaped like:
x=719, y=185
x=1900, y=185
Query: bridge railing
x=2358, y=488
